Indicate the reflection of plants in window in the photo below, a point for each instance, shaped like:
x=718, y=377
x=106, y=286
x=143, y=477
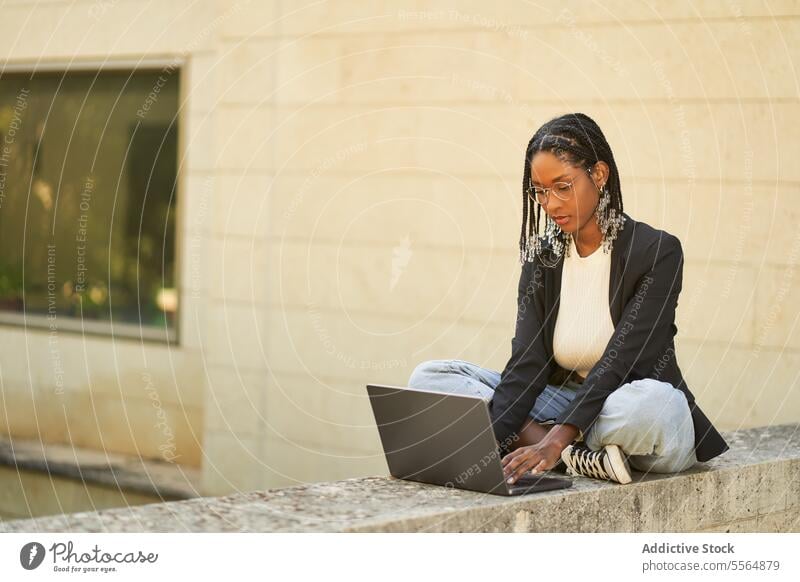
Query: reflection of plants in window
x=94, y=302
x=98, y=184
x=10, y=287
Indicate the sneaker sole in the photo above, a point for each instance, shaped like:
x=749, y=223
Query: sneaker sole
x=618, y=464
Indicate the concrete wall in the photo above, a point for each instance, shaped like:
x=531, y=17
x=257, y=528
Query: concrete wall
x=121, y=395
x=752, y=488
x=350, y=206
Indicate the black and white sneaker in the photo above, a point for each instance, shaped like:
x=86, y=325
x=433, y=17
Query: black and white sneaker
x=608, y=463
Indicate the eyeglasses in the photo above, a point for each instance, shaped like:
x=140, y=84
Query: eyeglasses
x=562, y=190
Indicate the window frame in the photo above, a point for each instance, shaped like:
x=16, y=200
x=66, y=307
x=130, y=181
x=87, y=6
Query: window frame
x=111, y=329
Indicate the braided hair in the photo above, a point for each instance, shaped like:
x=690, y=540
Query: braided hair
x=577, y=140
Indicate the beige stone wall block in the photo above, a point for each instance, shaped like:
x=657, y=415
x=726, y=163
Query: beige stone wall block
x=691, y=59
x=451, y=133
x=417, y=67
x=226, y=383
x=751, y=141
x=32, y=360
x=717, y=302
x=199, y=91
x=180, y=443
x=195, y=204
x=236, y=335
x=349, y=154
x=308, y=18
x=323, y=411
x=245, y=138
x=169, y=376
x=510, y=18
x=682, y=143
x=172, y=28
x=99, y=29
x=232, y=463
x=237, y=416
x=32, y=413
x=654, y=59
x=398, y=280
x=444, y=85
x=193, y=227
x=309, y=70
x=718, y=220
x=615, y=12
x=289, y=463
x=337, y=401
x=247, y=71
x=343, y=138
x=240, y=270
x=317, y=434
x=24, y=29
x=452, y=211
x=72, y=364
x=781, y=214
x=452, y=155
x=510, y=123
x=192, y=314
x=771, y=379
x=201, y=145
x=716, y=374
x=687, y=142
x=135, y=426
x=340, y=343
x=777, y=293
x=193, y=269
x=243, y=205
x=248, y=18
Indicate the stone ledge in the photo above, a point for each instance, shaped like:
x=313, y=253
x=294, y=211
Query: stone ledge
x=754, y=486
x=168, y=481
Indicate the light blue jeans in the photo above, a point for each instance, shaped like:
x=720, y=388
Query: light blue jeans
x=648, y=419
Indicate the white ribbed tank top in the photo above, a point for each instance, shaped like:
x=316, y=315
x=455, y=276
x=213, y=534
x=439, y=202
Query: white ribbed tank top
x=584, y=324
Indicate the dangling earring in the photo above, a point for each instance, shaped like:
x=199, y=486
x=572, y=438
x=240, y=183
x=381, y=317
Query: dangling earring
x=557, y=239
x=600, y=211
x=608, y=221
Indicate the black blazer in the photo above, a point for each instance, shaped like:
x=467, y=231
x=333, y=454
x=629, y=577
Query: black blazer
x=646, y=279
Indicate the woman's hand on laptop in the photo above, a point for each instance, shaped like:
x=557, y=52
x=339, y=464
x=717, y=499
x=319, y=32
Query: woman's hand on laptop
x=535, y=458
x=541, y=456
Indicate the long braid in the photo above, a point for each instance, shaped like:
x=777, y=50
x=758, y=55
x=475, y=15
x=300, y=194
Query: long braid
x=575, y=139
x=526, y=202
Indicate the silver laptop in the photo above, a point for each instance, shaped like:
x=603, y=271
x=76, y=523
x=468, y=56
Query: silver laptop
x=445, y=439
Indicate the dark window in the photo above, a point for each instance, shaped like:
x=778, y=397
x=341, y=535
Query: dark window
x=88, y=167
